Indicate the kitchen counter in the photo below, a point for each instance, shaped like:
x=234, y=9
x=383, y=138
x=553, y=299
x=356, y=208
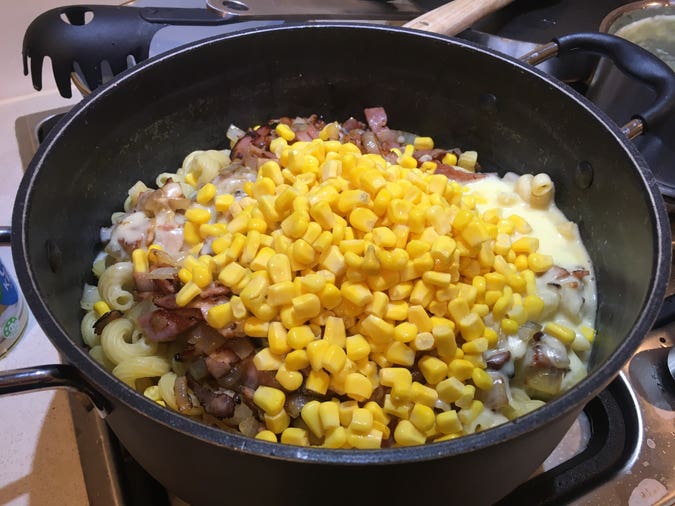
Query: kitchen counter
x=39, y=462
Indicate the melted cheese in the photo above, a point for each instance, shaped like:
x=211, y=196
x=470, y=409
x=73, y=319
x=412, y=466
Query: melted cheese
x=568, y=253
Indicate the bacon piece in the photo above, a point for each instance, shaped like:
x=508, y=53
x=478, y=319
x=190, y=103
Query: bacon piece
x=457, y=174
x=163, y=325
x=580, y=273
x=165, y=301
x=213, y=291
x=220, y=362
x=353, y=124
x=218, y=402
x=143, y=282
x=377, y=120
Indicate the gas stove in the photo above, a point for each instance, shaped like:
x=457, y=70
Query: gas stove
x=620, y=450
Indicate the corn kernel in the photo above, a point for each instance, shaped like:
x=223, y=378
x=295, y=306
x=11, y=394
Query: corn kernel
x=278, y=422
x=423, y=394
x=362, y=219
x=188, y=292
x=471, y=326
x=362, y=420
x=422, y=417
x=295, y=436
x=330, y=296
x=270, y=400
x=334, y=358
x=398, y=353
x=306, y=306
x=101, y=308
x=561, y=332
x=448, y=422
x=358, y=387
x=310, y=414
x=335, y=438
x=285, y=132
x=460, y=369
x=588, y=333
x=356, y=293
x=478, y=345
x=239, y=310
x=255, y=327
x=223, y=202
x=469, y=414
x=329, y=415
x=539, y=263
x=265, y=360
x=451, y=389
x=397, y=310
x=317, y=381
x=206, y=193
x=406, y=434
x=299, y=337
x=377, y=329
x=266, y=435
x=290, y=380
x=357, y=347
x=481, y=379
x=433, y=369
x=139, y=258
x=296, y=360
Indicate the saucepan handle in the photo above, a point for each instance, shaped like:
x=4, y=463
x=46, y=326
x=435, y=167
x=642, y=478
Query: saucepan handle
x=51, y=376
x=632, y=60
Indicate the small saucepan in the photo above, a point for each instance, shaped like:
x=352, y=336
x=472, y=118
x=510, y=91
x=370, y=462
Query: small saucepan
x=650, y=24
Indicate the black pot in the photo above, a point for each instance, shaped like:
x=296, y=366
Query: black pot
x=517, y=118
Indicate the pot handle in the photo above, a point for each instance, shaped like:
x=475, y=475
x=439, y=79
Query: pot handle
x=52, y=376
x=631, y=59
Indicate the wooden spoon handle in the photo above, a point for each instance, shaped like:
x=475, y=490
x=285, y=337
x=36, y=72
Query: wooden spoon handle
x=455, y=16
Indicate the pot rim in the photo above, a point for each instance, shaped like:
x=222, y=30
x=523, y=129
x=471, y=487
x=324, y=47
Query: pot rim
x=571, y=402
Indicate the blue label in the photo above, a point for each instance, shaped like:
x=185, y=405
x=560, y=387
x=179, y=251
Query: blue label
x=8, y=293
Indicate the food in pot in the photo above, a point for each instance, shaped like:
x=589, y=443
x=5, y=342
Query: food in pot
x=343, y=285
x=656, y=34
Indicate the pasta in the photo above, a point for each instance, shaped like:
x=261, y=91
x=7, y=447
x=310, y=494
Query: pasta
x=349, y=281
x=117, y=345
x=115, y=284
x=134, y=368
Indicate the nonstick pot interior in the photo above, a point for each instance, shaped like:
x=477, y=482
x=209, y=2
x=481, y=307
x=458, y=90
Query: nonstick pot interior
x=148, y=119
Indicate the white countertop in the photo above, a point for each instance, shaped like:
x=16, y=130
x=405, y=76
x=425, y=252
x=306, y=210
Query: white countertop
x=39, y=461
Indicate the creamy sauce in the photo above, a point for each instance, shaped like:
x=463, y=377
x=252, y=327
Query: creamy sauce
x=568, y=253
x=132, y=230
x=655, y=34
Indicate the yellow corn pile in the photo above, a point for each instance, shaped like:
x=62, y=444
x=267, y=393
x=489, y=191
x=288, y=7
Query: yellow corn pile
x=358, y=270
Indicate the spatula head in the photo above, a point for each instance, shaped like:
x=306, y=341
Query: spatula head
x=80, y=38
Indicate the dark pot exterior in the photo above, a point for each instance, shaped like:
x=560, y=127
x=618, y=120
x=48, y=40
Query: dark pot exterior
x=518, y=119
